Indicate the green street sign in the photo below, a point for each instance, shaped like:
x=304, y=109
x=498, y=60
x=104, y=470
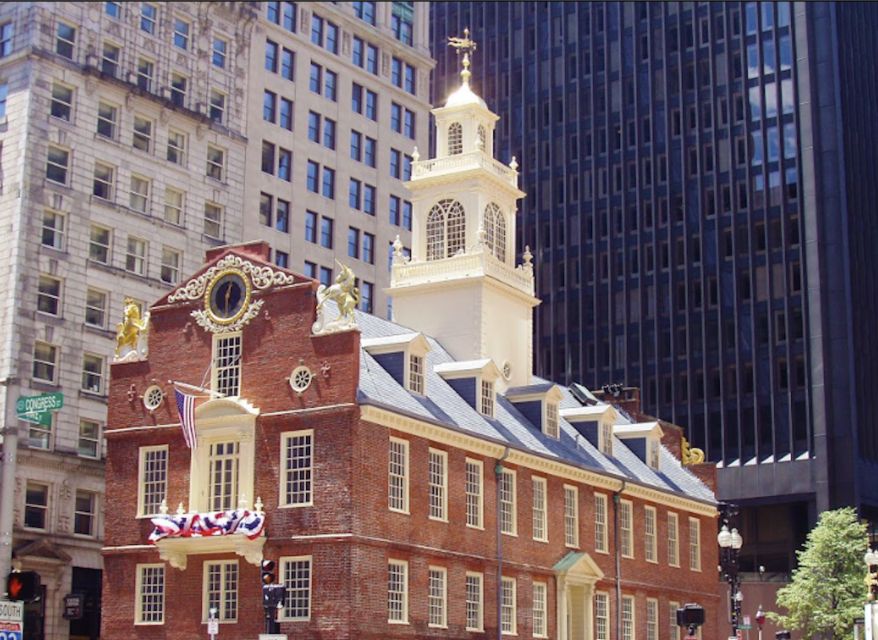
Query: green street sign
x=38, y=409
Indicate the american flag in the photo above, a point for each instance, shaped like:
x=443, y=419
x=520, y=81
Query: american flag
x=186, y=409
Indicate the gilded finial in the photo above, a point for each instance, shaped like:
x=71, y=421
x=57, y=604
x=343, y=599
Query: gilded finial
x=466, y=45
x=690, y=455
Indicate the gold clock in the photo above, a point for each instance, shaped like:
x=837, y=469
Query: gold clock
x=227, y=296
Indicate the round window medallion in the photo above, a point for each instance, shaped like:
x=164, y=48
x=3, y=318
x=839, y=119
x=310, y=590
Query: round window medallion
x=507, y=370
x=300, y=379
x=153, y=397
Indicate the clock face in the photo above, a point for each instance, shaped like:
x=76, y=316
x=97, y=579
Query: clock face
x=227, y=297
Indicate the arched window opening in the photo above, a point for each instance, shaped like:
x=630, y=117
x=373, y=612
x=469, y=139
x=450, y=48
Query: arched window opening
x=455, y=139
x=495, y=231
x=483, y=137
x=446, y=230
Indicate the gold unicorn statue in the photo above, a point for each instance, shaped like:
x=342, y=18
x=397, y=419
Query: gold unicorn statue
x=130, y=331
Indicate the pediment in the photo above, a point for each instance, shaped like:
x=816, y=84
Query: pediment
x=43, y=550
x=578, y=566
x=218, y=408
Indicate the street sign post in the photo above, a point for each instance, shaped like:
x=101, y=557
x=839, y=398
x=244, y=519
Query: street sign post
x=11, y=620
x=38, y=409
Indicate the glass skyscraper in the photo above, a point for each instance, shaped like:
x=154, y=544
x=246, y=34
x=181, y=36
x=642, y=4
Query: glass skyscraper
x=701, y=185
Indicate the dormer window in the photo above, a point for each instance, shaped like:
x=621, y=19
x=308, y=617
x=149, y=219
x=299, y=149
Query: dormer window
x=654, y=454
x=495, y=231
x=605, y=439
x=552, y=429
x=644, y=440
x=486, y=399
x=446, y=230
x=416, y=374
x=595, y=423
x=226, y=369
x=455, y=139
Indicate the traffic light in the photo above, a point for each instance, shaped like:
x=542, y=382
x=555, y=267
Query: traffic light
x=268, y=572
x=23, y=586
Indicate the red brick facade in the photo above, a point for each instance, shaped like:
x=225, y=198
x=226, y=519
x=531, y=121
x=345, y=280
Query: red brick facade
x=349, y=532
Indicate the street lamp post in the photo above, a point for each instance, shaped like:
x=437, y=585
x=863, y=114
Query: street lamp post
x=730, y=545
x=871, y=560
x=760, y=619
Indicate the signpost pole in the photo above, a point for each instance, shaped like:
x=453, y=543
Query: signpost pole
x=7, y=500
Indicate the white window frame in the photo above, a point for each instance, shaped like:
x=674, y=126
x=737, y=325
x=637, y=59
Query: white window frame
x=224, y=592
x=627, y=610
x=437, y=483
x=675, y=629
x=92, y=515
x=415, y=372
x=303, y=475
x=64, y=101
x=185, y=35
x=601, y=616
x=226, y=347
x=217, y=106
x=223, y=495
x=474, y=491
x=178, y=143
x=552, y=420
x=650, y=534
x=296, y=591
x=605, y=437
x=139, y=595
x=213, y=224
x=113, y=123
x=474, y=599
x=173, y=211
x=508, y=526
x=139, y=192
x=57, y=164
x=142, y=138
x=694, y=544
x=486, y=397
x=53, y=364
x=93, y=441
x=626, y=528
x=136, y=261
x=571, y=516
x=94, y=243
x=143, y=483
x=403, y=595
x=55, y=297
x=169, y=270
x=508, y=607
x=539, y=509
x=397, y=480
x=105, y=175
x=601, y=543
x=437, y=597
x=673, y=539
x=91, y=374
x=146, y=70
x=652, y=619
x=59, y=232
x=43, y=507
x=216, y=163
x=540, y=610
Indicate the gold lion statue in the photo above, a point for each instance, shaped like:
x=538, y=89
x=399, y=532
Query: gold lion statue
x=128, y=332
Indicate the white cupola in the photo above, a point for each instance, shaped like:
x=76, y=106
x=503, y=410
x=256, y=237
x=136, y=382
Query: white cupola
x=461, y=284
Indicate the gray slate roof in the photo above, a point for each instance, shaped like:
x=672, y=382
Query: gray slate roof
x=443, y=405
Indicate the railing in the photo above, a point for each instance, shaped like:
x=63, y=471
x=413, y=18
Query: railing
x=477, y=263
x=461, y=161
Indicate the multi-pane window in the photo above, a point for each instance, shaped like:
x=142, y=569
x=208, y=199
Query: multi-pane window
x=651, y=619
x=473, y=491
x=150, y=594
x=181, y=33
x=49, y=295
x=92, y=373
x=4, y=95
x=437, y=474
x=540, y=514
x=606, y=438
x=110, y=59
x=353, y=242
x=540, y=613
x=102, y=185
x=216, y=162
x=62, y=101
x=674, y=633
x=176, y=147
x=282, y=13
x=368, y=247
x=627, y=618
x=506, y=482
x=507, y=606
x=695, y=544
x=416, y=373
x=217, y=106
x=227, y=364
x=402, y=22
x=296, y=576
x=45, y=361
x=221, y=590
x=311, y=226
x=213, y=220
x=366, y=296
x=57, y=164
x=369, y=151
x=52, y=232
x=455, y=139
x=600, y=522
x=145, y=73
x=148, y=16
x=96, y=308
x=219, y=51
x=326, y=232
x=108, y=117
x=224, y=464
x=571, y=516
x=170, y=267
x=142, y=138
x=650, y=543
x=673, y=540
x=601, y=616
x=365, y=11
x=397, y=591
x=486, y=398
x=297, y=465
x=88, y=444
x=139, y=194
x=153, y=479
x=474, y=601
x=626, y=528
x=173, y=210
x=397, y=476
x=284, y=164
x=6, y=31
x=282, y=216
x=437, y=597
x=65, y=40
x=84, y=513
x=99, y=244
x=36, y=505
x=328, y=185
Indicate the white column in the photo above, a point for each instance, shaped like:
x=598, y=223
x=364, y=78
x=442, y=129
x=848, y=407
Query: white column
x=561, y=606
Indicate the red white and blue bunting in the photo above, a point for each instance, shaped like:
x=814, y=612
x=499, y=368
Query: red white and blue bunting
x=196, y=525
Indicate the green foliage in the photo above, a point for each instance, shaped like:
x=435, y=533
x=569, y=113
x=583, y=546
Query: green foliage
x=827, y=590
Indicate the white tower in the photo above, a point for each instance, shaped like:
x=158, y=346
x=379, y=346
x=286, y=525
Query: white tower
x=461, y=284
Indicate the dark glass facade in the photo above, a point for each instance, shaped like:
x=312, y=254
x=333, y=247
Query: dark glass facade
x=691, y=182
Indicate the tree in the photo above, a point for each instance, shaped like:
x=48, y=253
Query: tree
x=827, y=591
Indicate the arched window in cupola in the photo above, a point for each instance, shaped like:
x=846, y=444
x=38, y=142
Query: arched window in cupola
x=455, y=139
x=495, y=231
x=446, y=229
x=483, y=138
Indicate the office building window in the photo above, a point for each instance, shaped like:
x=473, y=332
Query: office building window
x=365, y=11
x=65, y=40
x=92, y=373
x=88, y=444
x=135, y=256
x=181, y=33
x=142, y=137
x=84, y=513
x=148, y=17
x=36, y=506
x=217, y=106
x=45, y=362
x=108, y=118
x=49, y=295
x=173, y=212
x=627, y=618
x=139, y=194
x=57, y=164
x=145, y=73
x=96, y=308
x=216, y=161
x=62, y=101
x=219, y=52
x=213, y=220
x=176, y=151
x=170, y=267
x=110, y=59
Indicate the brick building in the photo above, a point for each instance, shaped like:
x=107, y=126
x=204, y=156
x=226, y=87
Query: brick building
x=413, y=478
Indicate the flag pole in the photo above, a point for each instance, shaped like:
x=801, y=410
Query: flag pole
x=184, y=385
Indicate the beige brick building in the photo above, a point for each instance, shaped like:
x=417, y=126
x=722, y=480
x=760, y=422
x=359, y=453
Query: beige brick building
x=134, y=136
